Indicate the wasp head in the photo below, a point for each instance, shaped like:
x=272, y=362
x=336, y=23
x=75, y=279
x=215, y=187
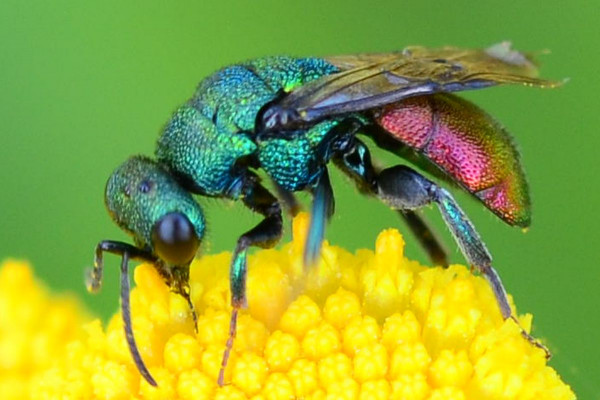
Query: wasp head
x=145, y=200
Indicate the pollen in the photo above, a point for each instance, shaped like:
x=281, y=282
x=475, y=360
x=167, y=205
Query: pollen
x=303, y=375
x=334, y=368
x=368, y=325
x=360, y=332
x=192, y=384
x=301, y=315
x=278, y=386
x=371, y=363
x=249, y=373
x=320, y=341
x=281, y=350
x=341, y=307
x=182, y=352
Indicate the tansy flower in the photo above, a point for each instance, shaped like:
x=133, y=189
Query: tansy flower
x=370, y=325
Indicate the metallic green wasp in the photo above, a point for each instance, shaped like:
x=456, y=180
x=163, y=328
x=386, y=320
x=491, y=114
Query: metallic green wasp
x=290, y=117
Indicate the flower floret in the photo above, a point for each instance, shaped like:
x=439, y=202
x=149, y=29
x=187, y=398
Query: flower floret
x=369, y=325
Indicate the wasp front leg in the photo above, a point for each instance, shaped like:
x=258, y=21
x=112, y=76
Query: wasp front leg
x=266, y=234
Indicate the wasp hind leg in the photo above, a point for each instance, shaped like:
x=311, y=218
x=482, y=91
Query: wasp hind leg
x=355, y=162
x=266, y=234
x=403, y=188
x=426, y=237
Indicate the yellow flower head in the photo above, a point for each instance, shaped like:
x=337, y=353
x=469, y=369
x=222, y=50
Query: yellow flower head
x=370, y=325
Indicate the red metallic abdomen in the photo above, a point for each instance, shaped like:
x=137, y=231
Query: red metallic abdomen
x=467, y=144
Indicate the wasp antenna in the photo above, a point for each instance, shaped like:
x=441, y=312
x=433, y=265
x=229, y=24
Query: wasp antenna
x=126, y=314
x=93, y=276
x=229, y=345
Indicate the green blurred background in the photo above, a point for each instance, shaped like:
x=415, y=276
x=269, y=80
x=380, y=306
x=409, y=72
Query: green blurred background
x=86, y=84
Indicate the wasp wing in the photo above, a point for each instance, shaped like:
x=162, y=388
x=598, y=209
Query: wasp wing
x=368, y=81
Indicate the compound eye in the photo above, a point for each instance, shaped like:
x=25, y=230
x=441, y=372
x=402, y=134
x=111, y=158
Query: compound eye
x=174, y=239
x=146, y=186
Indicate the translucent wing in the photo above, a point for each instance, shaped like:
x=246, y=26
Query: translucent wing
x=372, y=80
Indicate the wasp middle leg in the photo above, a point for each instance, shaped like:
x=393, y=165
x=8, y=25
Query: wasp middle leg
x=266, y=234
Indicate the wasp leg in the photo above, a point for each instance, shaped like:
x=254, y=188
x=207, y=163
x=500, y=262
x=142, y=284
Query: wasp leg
x=355, y=161
x=403, y=188
x=426, y=237
x=94, y=282
x=289, y=201
x=264, y=235
x=322, y=209
x=335, y=142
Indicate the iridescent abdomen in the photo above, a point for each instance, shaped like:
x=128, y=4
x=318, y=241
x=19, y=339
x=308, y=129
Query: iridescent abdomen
x=468, y=145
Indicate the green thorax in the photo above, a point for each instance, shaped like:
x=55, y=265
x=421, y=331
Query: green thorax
x=208, y=136
x=233, y=96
